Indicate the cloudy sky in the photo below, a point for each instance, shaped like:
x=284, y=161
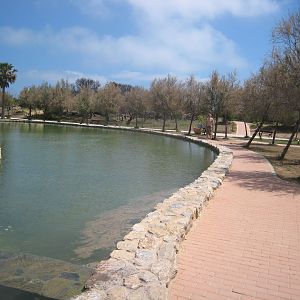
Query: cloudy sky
x=134, y=41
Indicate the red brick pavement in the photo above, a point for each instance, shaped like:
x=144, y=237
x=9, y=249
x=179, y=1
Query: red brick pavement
x=246, y=243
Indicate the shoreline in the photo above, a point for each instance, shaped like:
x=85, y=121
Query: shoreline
x=144, y=262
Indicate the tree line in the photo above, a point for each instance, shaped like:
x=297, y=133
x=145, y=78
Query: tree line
x=269, y=95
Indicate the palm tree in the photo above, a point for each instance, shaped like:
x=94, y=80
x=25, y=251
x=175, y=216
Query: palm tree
x=7, y=76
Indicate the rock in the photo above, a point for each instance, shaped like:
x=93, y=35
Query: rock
x=147, y=277
x=132, y=282
x=112, y=265
x=117, y=293
x=164, y=270
x=138, y=227
x=157, y=230
x=167, y=251
x=122, y=254
x=132, y=235
x=139, y=294
x=145, y=258
x=157, y=292
x=149, y=242
x=128, y=270
x=128, y=245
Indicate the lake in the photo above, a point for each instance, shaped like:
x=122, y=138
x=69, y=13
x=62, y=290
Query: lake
x=70, y=193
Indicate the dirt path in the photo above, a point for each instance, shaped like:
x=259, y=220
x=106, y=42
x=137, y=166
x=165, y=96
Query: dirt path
x=240, y=128
x=246, y=244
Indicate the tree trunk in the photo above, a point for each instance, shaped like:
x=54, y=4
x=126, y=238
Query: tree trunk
x=246, y=129
x=129, y=120
x=30, y=109
x=274, y=133
x=255, y=133
x=286, y=148
x=106, y=117
x=296, y=135
x=136, y=121
x=143, y=119
x=164, y=122
x=176, y=123
x=3, y=103
x=191, y=123
x=216, y=126
x=226, y=127
x=259, y=126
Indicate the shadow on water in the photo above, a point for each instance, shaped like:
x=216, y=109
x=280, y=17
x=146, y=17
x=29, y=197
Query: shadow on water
x=8, y=293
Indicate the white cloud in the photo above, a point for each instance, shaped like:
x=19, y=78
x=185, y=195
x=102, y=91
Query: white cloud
x=192, y=10
x=175, y=48
x=95, y=8
x=54, y=76
x=174, y=36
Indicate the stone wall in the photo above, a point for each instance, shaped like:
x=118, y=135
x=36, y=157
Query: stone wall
x=145, y=260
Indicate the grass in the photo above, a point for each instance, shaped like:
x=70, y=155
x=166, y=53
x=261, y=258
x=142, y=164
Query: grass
x=289, y=168
x=183, y=125
x=277, y=141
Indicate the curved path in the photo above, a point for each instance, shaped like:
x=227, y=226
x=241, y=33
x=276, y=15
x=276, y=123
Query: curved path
x=246, y=243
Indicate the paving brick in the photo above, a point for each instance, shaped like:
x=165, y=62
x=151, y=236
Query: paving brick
x=246, y=243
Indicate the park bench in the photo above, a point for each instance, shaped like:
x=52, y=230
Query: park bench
x=268, y=132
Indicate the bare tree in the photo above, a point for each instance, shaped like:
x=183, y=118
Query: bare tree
x=194, y=96
x=135, y=103
x=286, y=38
x=107, y=99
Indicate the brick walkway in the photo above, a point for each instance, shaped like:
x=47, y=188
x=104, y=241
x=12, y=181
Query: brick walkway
x=246, y=243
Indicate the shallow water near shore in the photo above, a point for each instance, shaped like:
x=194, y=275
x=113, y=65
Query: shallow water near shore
x=71, y=193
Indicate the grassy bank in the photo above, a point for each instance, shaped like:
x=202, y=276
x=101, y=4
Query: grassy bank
x=289, y=168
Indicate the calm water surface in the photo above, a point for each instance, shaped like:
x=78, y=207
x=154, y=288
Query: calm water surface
x=70, y=193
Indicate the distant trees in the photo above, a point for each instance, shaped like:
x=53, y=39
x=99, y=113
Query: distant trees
x=220, y=97
x=7, y=76
x=194, y=94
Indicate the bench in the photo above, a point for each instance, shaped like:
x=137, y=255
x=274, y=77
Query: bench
x=268, y=132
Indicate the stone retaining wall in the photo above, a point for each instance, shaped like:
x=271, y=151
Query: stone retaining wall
x=145, y=260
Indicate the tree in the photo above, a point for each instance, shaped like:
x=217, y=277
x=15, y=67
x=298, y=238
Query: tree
x=166, y=98
x=215, y=97
x=135, y=103
x=258, y=98
x=86, y=83
x=107, y=99
x=286, y=39
x=7, y=77
x=159, y=99
x=231, y=88
x=194, y=95
x=84, y=103
x=27, y=99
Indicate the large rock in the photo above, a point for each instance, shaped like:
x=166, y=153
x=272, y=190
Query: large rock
x=122, y=254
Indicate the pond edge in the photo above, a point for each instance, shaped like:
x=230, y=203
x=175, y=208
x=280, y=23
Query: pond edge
x=144, y=262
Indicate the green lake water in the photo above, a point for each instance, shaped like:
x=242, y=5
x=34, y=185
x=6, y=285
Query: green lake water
x=71, y=193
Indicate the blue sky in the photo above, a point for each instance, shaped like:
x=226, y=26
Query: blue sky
x=135, y=41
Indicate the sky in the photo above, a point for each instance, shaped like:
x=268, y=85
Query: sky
x=135, y=41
